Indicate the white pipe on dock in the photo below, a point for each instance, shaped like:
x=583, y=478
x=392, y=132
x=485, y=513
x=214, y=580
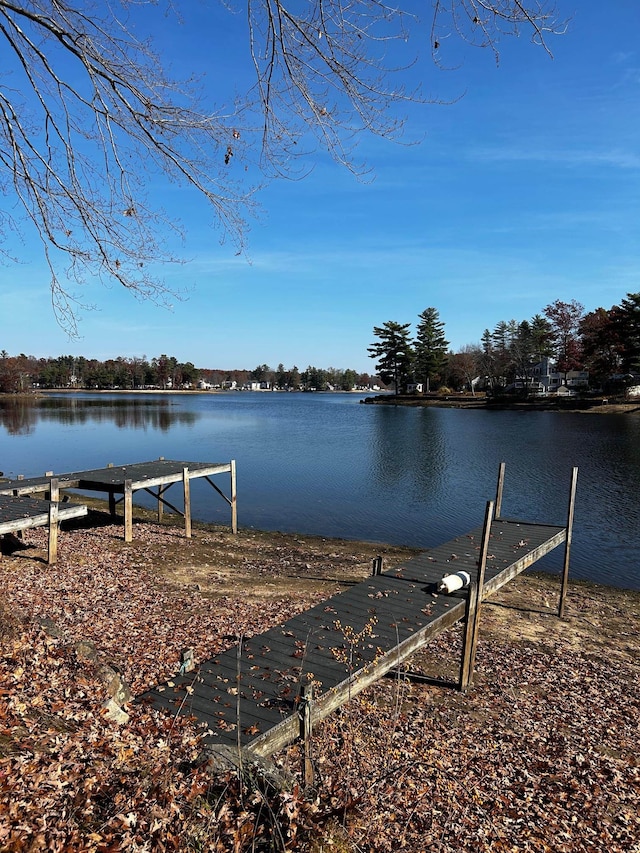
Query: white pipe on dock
x=451, y=583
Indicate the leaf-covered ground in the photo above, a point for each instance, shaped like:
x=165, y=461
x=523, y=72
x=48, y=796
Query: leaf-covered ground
x=540, y=755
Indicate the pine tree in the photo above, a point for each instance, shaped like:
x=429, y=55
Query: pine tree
x=394, y=352
x=431, y=347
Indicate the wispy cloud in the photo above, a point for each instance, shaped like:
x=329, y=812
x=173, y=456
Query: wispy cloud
x=615, y=157
x=311, y=261
x=621, y=57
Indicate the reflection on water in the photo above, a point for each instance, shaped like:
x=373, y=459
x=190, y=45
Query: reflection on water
x=408, y=447
x=19, y=415
x=323, y=464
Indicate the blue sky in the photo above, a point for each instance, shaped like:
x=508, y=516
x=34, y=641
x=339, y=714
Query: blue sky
x=523, y=191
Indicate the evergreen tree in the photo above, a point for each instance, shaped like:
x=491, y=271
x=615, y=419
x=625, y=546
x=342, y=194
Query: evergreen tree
x=487, y=361
x=627, y=328
x=349, y=380
x=502, y=338
x=293, y=379
x=522, y=353
x=393, y=351
x=431, y=347
x=280, y=377
x=541, y=338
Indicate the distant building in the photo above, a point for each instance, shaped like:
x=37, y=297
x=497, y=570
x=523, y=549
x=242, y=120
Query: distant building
x=548, y=380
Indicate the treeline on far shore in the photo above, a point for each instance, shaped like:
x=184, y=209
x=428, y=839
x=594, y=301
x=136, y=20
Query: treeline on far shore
x=23, y=373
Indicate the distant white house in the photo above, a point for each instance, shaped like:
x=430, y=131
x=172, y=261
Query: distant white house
x=255, y=385
x=547, y=380
x=415, y=388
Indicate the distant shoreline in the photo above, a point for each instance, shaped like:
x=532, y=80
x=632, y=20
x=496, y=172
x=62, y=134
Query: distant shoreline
x=599, y=406
x=38, y=391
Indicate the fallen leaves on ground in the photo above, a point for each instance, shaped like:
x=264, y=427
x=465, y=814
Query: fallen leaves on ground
x=540, y=755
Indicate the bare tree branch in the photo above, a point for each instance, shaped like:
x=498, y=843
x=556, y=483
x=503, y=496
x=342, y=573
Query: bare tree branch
x=91, y=117
x=483, y=23
x=88, y=118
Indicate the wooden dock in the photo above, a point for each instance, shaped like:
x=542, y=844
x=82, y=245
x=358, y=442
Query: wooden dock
x=23, y=513
x=263, y=693
x=120, y=482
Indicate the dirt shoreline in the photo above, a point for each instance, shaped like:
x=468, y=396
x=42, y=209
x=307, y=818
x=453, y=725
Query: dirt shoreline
x=541, y=754
x=598, y=406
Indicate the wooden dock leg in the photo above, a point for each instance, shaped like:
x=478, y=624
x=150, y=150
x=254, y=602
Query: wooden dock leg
x=567, y=544
x=54, y=526
x=499, y=489
x=305, y=708
x=474, y=604
x=112, y=497
x=128, y=511
x=467, y=640
x=160, y=493
x=16, y=493
x=54, y=490
x=187, y=502
x=234, y=499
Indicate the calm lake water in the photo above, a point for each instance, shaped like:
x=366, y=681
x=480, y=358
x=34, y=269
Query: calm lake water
x=324, y=464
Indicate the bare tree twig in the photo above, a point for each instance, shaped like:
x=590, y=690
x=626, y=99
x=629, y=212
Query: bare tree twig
x=88, y=118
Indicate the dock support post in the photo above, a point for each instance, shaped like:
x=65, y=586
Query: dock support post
x=376, y=566
x=54, y=524
x=234, y=507
x=54, y=490
x=160, y=493
x=128, y=511
x=474, y=603
x=187, y=502
x=16, y=493
x=112, y=497
x=499, y=489
x=306, y=700
x=567, y=544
